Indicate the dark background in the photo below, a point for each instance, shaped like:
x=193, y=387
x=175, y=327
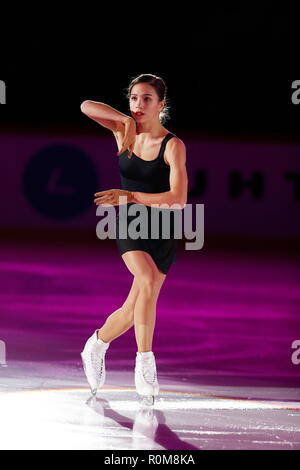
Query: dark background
x=233, y=104
x=228, y=69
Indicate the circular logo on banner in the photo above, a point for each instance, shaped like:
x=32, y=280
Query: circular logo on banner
x=60, y=181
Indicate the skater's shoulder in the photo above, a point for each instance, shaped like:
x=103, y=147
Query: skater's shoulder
x=175, y=150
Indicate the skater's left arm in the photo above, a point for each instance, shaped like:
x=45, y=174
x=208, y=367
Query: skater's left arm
x=176, y=157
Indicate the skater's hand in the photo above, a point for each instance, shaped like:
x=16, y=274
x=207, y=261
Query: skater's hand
x=111, y=197
x=129, y=137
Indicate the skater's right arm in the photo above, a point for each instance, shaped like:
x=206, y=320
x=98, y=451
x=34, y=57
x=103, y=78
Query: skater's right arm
x=123, y=126
x=104, y=114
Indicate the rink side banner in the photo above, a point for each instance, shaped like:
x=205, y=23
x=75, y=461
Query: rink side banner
x=246, y=187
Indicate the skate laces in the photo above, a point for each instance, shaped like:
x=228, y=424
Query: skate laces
x=148, y=369
x=95, y=359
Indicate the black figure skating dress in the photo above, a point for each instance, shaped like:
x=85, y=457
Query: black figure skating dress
x=147, y=177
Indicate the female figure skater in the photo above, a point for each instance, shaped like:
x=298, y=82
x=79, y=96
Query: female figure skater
x=152, y=169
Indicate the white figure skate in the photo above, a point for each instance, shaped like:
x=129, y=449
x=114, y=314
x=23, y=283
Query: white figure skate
x=146, y=378
x=93, y=360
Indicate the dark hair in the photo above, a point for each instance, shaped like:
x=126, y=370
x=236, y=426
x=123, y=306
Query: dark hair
x=161, y=89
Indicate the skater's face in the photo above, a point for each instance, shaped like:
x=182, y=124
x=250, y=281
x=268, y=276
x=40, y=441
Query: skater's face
x=143, y=97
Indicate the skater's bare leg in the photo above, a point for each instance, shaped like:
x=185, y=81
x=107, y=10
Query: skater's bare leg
x=122, y=319
x=150, y=281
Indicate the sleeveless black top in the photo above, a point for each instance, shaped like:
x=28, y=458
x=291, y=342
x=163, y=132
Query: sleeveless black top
x=147, y=176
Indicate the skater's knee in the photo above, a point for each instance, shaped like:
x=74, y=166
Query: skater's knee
x=146, y=282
